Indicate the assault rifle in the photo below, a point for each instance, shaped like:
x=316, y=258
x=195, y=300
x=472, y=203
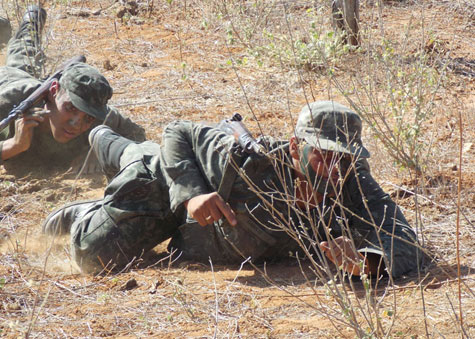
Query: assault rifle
x=39, y=94
x=244, y=138
x=247, y=143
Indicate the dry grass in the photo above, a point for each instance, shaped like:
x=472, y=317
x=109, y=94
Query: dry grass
x=192, y=60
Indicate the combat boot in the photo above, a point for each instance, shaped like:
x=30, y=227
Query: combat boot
x=5, y=31
x=60, y=220
x=108, y=147
x=34, y=20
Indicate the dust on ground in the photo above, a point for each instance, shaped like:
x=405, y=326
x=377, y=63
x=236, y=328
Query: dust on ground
x=169, y=62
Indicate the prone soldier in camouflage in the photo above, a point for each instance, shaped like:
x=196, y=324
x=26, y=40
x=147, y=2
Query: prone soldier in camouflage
x=55, y=135
x=316, y=185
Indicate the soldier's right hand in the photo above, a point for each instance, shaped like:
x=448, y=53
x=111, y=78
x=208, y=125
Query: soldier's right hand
x=24, y=128
x=208, y=208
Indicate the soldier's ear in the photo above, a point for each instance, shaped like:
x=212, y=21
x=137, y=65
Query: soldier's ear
x=54, y=88
x=294, y=148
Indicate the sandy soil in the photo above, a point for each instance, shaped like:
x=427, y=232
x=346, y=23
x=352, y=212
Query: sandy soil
x=173, y=62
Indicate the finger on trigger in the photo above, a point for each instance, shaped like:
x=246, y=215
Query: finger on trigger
x=228, y=213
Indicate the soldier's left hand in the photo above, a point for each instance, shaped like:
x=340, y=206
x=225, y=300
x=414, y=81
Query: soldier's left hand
x=342, y=253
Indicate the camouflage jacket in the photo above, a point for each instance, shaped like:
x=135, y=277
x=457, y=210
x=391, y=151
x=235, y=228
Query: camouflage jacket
x=15, y=86
x=193, y=161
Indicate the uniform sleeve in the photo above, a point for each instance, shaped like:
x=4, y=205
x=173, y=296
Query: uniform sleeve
x=15, y=86
x=124, y=126
x=380, y=223
x=192, y=159
x=4, y=135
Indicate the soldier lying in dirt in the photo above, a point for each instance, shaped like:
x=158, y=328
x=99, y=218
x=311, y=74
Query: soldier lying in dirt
x=56, y=134
x=313, y=193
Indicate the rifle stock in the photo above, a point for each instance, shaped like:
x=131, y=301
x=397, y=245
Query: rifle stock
x=39, y=94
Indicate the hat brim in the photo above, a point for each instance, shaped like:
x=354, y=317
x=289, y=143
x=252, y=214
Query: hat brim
x=340, y=147
x=78, y=102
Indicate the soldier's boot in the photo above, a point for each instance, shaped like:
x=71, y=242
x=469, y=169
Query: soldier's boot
x=60, y=220
x=33, y=22
x=5, y=31
x=24, y=50
x=108, y=147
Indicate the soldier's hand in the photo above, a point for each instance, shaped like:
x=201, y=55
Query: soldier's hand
x=208, y=208
x=24, y=128
x=342, y=253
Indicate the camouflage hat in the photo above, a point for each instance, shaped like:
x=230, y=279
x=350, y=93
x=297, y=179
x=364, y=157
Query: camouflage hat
x=5, y=31
x=331, y=126
x=88, y=90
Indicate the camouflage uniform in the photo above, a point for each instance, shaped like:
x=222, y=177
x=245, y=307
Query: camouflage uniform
x=133, y=216
x=141, y=209
x=18, y=79
x=193, y=161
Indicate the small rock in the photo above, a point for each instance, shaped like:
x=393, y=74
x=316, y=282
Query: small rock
x=107, y=65
x=130, y=284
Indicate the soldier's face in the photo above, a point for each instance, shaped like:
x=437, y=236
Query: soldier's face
x=66, y=121
x=324, y=163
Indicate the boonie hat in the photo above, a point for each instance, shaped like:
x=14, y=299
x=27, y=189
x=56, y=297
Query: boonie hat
x=330, y=126
x=88, y=89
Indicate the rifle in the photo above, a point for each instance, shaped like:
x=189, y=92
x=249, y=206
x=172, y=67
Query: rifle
x=244, y=138
x=246, y=142
x=39, y=94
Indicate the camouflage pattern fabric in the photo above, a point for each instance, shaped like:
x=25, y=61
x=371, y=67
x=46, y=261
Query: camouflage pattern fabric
x=193, y=161
x=132, y=218
x=17, y=82
x=136, y=211
x=24, y=50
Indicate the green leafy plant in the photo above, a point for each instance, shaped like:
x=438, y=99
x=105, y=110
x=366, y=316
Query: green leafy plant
x=400, y=116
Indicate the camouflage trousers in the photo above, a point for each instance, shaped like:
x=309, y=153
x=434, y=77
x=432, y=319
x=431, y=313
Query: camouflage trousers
x=24, y=50
x=133, y=216
x=24, y=62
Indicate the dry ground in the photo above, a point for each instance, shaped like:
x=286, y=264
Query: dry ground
x=171, y=61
